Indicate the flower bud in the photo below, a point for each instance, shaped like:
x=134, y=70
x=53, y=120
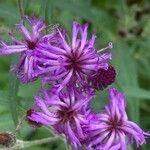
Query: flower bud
x=8, y=139
x=33, y=124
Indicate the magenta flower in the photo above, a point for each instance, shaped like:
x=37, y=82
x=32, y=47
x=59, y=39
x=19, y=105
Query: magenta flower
x=65, y=112
x=71, y=62
x=27, y=46
x=113, y=130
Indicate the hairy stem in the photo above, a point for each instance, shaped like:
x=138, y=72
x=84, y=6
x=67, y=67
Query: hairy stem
x=24, y=144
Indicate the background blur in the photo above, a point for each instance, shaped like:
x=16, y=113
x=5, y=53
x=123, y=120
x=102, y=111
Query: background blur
x=124, y=22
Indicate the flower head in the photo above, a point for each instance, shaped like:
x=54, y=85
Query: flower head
x=102, y=78
x=27, y=46
x=113, y=130
x=71, y=62
x=66, y=112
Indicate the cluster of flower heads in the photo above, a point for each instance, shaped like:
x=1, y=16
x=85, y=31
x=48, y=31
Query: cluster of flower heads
x=75, y=70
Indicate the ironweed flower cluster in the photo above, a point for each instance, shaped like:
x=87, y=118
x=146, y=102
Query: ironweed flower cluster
x=75, y=70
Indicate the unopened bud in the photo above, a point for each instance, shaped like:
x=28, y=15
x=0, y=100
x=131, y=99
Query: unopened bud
x=8, y=139
x=32, y=123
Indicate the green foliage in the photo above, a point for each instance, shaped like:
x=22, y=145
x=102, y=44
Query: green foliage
x=112, y=21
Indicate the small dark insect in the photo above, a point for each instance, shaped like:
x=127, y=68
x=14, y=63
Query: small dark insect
x=8, y=139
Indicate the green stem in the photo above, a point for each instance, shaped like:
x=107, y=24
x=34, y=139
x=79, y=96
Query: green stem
x=20, y=6
x=68, y=147
x=25, y=144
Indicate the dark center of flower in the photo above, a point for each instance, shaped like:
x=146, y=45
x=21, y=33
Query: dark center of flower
x=115, y=123
x=31, y=44
x=74, y=62
x=66, y=114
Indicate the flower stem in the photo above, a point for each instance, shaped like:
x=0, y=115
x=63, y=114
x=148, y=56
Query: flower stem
x=20, y=6
x=24, y=144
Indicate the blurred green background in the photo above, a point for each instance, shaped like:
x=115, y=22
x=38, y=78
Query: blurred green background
x=124, y=22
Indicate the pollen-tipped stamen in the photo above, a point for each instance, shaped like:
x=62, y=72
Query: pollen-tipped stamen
x=109, y=46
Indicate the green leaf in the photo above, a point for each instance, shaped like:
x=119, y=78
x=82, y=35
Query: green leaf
x=3, y=97
x=9, y=13
x=127, y=74
x=27, y=4
x=99, y=101
x=12, y=94
x=130, y=147
x=29, y=90
x=137, y=92
x=49, y=11
x=42, y=8
x=6, y=123
x=80, y=9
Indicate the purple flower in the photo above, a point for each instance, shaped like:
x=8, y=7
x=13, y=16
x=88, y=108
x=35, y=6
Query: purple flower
x=71, y=62
x=113, y=130
x=27, y=46
x=65, y=112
